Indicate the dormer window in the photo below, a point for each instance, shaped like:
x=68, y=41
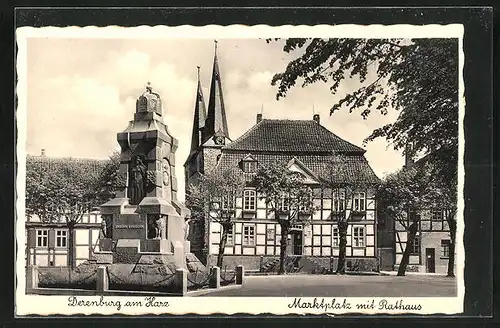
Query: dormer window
x=248, y=164
x=359, y=201
x=249, y=167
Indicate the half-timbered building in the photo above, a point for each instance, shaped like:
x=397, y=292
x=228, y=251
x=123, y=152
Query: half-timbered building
x=430, y=250
x=304, y=146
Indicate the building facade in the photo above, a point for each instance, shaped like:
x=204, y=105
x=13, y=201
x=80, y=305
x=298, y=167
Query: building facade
x=304, y=146
x=430, y=250
x=47, y=242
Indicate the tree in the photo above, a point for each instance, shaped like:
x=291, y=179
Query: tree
x=287, y=197
x=41, y=191
x=417, y=77
x=214, y=197
x=405, y=194
x=107, y=183
x=63, y=190
x=345, y=184
x=443, y=192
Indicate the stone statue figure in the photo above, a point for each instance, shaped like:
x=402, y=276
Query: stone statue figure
x=153, y=229
x=162, y=226
x=107, y=226
x=137, y=181
x=103, y=229
x=186, y=229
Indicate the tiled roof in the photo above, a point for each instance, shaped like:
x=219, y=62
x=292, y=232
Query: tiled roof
x=292, y=136
x=356, y=166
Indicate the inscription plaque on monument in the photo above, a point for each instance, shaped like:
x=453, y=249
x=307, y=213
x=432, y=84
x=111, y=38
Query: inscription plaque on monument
x=129, y=227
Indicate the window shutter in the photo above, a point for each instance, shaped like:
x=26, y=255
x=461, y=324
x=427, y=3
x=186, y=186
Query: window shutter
x=31, y=237
x=52, y=238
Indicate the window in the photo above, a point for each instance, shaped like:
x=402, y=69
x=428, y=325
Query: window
x=437, y=216
x=230, y=236
x=227, y=202
x=445, y=248
x=359, y=202
x=338, y=200
x=283, y=205
x=249, y=166
x=42, y=238
x=335, y=237
x=61, y=238
x=249, y=200
x=415, y=249
x=358, y=237
x=270, y=234
x=248, y=235
x=305, y=203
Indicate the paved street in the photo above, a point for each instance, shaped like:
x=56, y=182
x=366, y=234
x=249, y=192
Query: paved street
x=343, y=286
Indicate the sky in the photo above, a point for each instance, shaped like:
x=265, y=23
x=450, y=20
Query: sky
x=82, y=91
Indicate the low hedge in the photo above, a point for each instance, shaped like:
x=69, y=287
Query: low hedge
x=124, y=277
x=66, y=278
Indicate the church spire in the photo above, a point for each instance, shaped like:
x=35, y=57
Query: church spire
x=216, y=123
x=199, y=118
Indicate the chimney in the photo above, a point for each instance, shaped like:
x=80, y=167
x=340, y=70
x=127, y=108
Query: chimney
x=43, y=152
x=316, y=118
x=259, y=118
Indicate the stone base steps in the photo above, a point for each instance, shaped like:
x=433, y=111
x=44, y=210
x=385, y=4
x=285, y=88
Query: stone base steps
x=270, y=266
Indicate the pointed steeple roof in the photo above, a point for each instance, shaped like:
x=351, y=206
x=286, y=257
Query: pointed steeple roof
x=199, y=118
x=216, y=119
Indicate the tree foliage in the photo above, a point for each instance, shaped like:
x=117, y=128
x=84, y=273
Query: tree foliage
x=63, y=190
x=214, y=198
x=284, y=191
x=287, y=197
x=337, y=176
x=404, y=195
x=219, y=187
x=417, y=77
x=107, y=182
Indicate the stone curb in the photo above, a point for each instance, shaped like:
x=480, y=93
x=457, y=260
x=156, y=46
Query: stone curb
x=395, y=274
x=260, y=274
x=201, y=292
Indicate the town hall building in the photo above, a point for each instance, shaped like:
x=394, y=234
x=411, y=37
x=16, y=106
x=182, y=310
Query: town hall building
x=304, y=146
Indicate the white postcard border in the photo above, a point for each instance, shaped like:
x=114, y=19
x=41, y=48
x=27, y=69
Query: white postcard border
x=48, y=305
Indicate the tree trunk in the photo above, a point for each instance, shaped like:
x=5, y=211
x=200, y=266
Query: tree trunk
x=412, y=232
x=342, y=225
x=222, y=244
x=283, y=245
x=71, y=245
x=453, y=233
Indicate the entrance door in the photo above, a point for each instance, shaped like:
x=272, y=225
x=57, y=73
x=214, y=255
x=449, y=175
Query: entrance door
x=297, y=243
x=430, y=260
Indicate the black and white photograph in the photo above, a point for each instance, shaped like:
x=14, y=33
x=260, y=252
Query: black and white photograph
x=288, y=169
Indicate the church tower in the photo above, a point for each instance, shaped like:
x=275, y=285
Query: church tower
x=210, y=132
x=194, y=162
x=209, y=135
x=215, y=133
